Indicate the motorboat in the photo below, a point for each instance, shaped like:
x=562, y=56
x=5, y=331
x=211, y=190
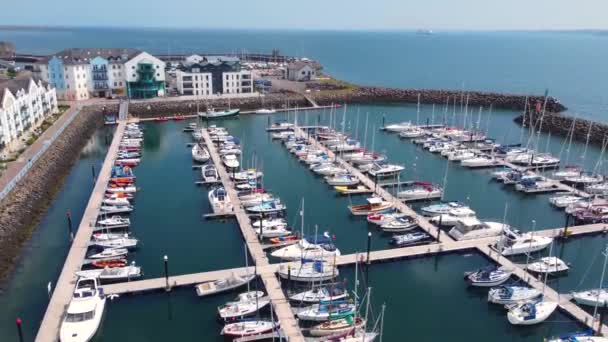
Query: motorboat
x=269, y=222
x=246, y=175
x=209, y=174
x=269, y=207
x=380, y=170
x=441, y=208
x=412, y=132
x=84, y=313
x=109, y=263
x=480, y=161
x=564, y=200
x=337, y=326
x=230, y=161
x=120, y=189
x=213, y=113
x=551, y=265
x=367, y=158
x=384, y=217
x=531, y=312
x=582, y=336
x=421, y=191
x=114, y=222
x=512, y=242
x=109, y=236
x=112, y=274
x=374, y=205
x=220, y=201
x=398, y=127
x=460, y=155
x=265, y=111
x=512, y=294
x=594, y=297
x=409, y=239
x=309, y=247
x=116, y=209
x=320, y=293
x=567, y=172
x=273, y=232
x=345, y=179
x=280, y=126
x=116, y=201
x=488, y=276
x=200, y=154
x=197, y=134
x=110, y=253
x=597, y=189
x=126, y=243
x=468, y=228
x=399, y=225
x=222, y=285
x=352, y=189
x=584, y=179
x=248, y=328
x=328, y=169
x=316, y=271
x=256, y=198
x=242, y=308
x=452, y=216
x=326, y=311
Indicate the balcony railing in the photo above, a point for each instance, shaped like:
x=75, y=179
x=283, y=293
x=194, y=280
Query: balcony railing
x=100, y=77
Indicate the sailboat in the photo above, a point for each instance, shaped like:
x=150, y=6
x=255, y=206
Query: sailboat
x=512, y=294
x=320, y=293
x=248, y=328
x=316, y=271
x=531, y=312
x=595, y=297
x=200, y=154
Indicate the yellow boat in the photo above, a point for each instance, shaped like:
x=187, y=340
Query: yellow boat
x=351, y=189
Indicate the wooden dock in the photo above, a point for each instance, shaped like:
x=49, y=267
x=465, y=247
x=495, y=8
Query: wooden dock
x=64, y=287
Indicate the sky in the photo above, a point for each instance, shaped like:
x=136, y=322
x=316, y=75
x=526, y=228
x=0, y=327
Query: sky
x=312, y=14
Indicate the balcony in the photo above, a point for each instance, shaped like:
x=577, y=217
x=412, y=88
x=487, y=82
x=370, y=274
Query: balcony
x=100, y=86
x=100, y=77
x=101, y=68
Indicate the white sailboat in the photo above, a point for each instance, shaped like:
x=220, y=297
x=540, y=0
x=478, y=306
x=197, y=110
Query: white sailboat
x=316, y=271
x=512, y=294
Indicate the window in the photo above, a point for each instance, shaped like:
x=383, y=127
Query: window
x=157, y=74
x=119, y=74
x=120, y=84
x=157, y=66
x=227, y=77
x=133, y=75
x=207, y=78
x=115, y=84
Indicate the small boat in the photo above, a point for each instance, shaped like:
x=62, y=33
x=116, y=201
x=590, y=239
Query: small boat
x=380, y=170
x=512, y=294
x=200, y=154
x=126, y=243
x=244, y=307
x=478, y=162
x=413, y=132
x=197, y=134
x=352, y=189
x=190, y=127
x=256, y=198
x=223, y=285
x=549, y=265
x=246, y=175
x=511, y=242
x=116, y=209
x=337, y=326
x=317, y=294
x=265, y=111
x=127, y=189
x=408, y=239
x=283, y=239
x=582, y=336
x=213, y=113
x=326, y=310
x=315, y=271
x=488, y=276
x=383, y=218
x=421, y=191
x=109, y=263
x=220, y=201
x=274, y=206
x=248, y=328
x=374, y=205
x=230, y=161
x=531, y=312
x=270, y=222
x=280, y=126
x=112, y=274
x=342, y=180
x=564, y=200
x=592, y=297
x=441, y=208
x=117, y=201
x=109, y=236
x=161, y=119
x=328, y=169
x=468, y=228
x=109, y=253
x=178, y=118
x=274, y=231
x=453, y=216
x=398, y=127
x=209, y=174
x=399, y=225
x=84, y=312
x=114, y=222
x=310, y=247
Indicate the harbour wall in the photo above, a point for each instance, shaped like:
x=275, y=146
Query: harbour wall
x=559, y=124
x=23, y=208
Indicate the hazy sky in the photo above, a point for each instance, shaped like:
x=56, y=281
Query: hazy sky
x=312, y=14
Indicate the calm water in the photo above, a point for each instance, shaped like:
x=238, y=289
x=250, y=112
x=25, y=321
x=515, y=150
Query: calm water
x=570, y=65
x=168, y=216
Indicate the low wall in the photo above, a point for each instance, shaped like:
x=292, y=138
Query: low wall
x=25, y=206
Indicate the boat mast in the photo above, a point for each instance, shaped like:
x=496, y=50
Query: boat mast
x=418, y=111
x=368, y=295
x=587, y=143
x=365, y=135
x=530, y=247
x=445, y=179
x=523, y=121
x=547, y=271
x=302, y=218
x=445, y=110
x=597, y=302
x=570, y=142
x=247, y=260
x=357, y=124
x=433, y=115
x=488, y=122
x=373, y=136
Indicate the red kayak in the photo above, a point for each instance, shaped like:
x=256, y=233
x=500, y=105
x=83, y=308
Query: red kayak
x=282, y=239
x=110, y=263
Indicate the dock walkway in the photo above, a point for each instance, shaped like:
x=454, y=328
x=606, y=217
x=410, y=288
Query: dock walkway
x=64, y=287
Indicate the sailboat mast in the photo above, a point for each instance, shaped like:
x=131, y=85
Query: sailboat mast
x=369, y=292
x=355, y=295
x=587, y=143
x=445, y=179
x=418, y=111
x=570, y=141
x=547, y=273
x=433, y=115
x=365, y=134
x=302, y=218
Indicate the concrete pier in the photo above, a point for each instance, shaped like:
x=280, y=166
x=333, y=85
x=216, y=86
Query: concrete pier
x=62, y=293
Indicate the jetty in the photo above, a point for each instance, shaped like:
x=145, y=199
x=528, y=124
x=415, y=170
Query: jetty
x=64, y=288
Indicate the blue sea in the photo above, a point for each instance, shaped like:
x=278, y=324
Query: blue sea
x=571, y=65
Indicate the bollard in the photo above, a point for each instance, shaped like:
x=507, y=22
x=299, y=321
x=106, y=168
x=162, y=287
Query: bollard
x=93, y=171
x=566, y=226
x=19, y=330
x=166, y=260
x=70, y=231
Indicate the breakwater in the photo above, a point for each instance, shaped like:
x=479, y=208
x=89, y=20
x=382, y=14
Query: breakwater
x=24, y=207
x=428, y=96
x=559, y=124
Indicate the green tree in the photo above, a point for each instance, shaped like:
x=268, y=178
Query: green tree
x=11, y=72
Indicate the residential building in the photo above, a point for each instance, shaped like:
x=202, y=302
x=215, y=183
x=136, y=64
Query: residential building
x=145, y=76
x=213, y=75
x=24, y=104
x=79, y=74
x=302, y=70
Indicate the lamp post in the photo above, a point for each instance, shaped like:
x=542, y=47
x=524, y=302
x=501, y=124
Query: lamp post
x=166, y=261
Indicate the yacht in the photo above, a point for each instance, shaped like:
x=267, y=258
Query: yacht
x=452, y=216
x=200, y=154
x=311, y=247
x=478, y=162
x=592, y=297
x=209, y=174
x=213, y=113
x=512, y=242
x=384, y=217
x=247, y=304
x=230, y=161
x=328, y=169
x=421, y=191
x=550, y=265
x=385, y=170
x=531, y=312
x=488, y=276
x=309, y=272
x=326, y=310
x=223, y=285
x=114, y=222
x=412, y=132
x=342, y=180
x=567, y=172
x=399, y=225
x=512, y=294
x=441, y=208
x=409, y=239
x=248, y=328
x=265, y=111
x=469, y=228
x=338, y=326
x=317, y=294
x=564, y=200
x=273, y=206
x=220, y=201
x=84, y=312
x=246, y=175
x=112, y=274
x=459, y=155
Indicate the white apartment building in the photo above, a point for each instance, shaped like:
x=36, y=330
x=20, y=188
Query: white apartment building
x=194, y=82
x=208, y=76
x=24, y=104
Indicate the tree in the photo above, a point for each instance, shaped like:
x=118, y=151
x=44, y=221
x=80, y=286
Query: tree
x=11, y=72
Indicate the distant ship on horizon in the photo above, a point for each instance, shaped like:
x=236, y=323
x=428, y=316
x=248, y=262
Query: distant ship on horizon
x=424, y=32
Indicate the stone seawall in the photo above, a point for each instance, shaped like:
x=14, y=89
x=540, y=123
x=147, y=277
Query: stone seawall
x=439, y=97
x=25, y=206
x=561, y=125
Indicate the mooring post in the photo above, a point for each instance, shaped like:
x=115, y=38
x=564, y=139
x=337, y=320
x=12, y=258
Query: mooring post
x=19, y=330
x=93, y=171
x=70, y=231
x=566, y=225
x=166, y=260
x=383, y=120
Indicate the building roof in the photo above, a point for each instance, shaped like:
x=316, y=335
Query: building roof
x=297, y=65
x=213, y=60
x=16, y=84
x=84, y=56
x=5, y=64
